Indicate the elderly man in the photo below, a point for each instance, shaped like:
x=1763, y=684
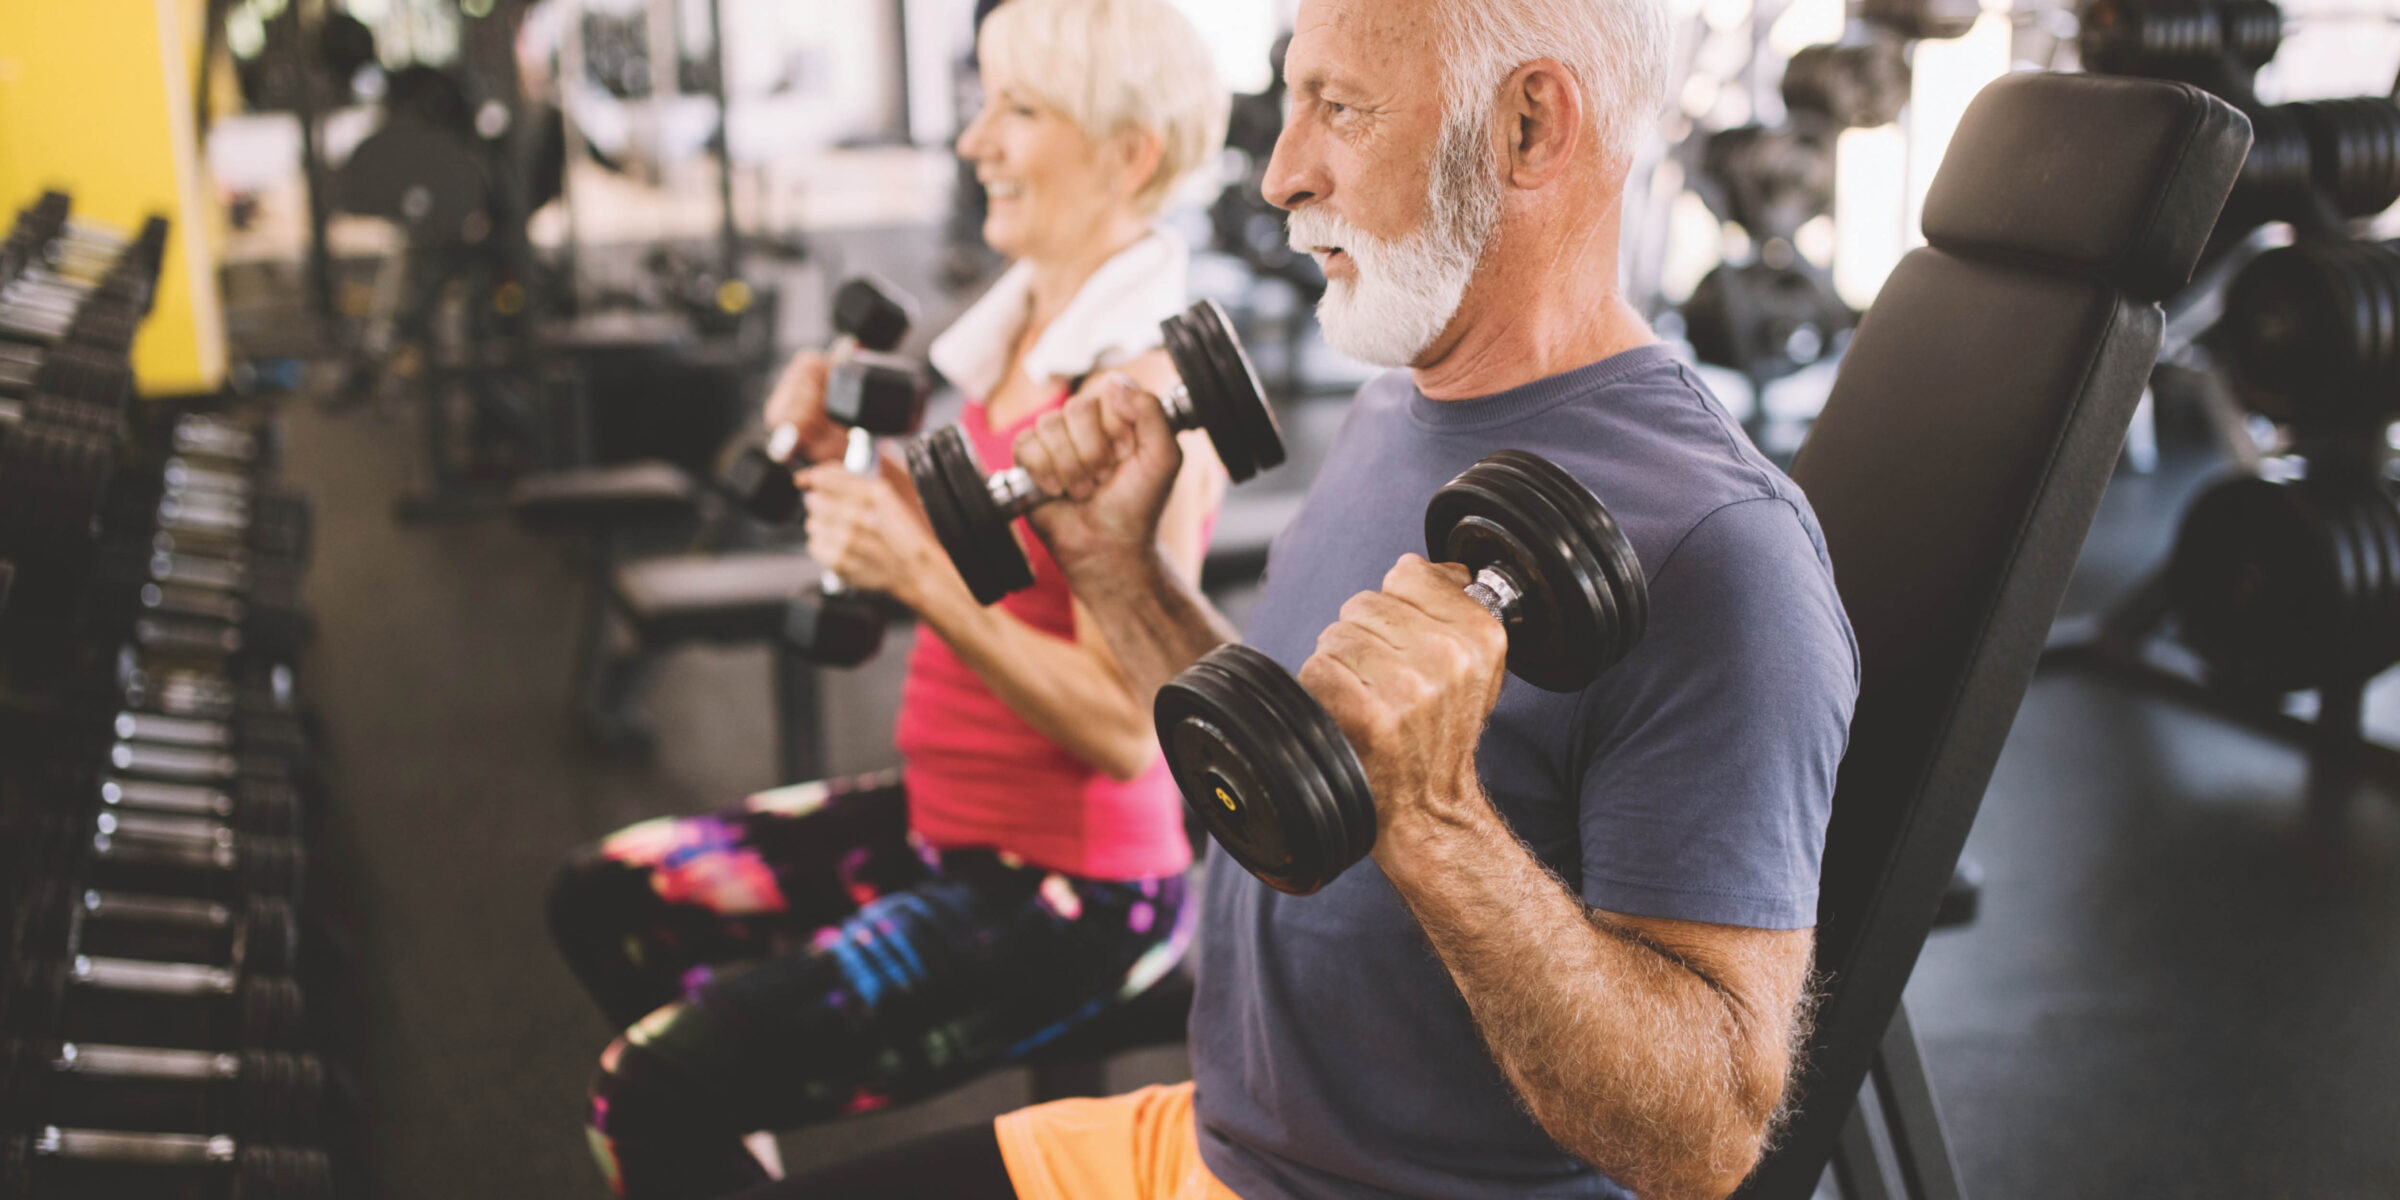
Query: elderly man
x=1577, y=962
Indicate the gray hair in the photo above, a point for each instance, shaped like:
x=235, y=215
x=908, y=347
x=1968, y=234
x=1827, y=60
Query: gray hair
x=1618, y=51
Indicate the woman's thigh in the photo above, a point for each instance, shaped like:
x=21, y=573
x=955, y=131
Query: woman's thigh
x=918, y=991
x=637, y=912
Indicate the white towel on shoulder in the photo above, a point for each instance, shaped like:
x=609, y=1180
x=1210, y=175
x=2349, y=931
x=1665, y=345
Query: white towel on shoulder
x=1112, y=320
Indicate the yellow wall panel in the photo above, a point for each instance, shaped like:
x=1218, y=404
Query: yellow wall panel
x=96, y=100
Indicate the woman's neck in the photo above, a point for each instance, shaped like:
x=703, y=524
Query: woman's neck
x=1056, y=280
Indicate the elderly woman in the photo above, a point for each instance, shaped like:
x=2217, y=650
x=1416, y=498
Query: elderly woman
x=834, y=947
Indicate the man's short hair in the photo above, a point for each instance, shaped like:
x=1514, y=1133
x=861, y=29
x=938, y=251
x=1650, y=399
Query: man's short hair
x=1617, y=49
x=1112, y=65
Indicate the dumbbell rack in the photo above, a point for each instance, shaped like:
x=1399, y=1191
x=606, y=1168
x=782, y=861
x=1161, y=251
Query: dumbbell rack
x=2291, y=583
x=163, y=975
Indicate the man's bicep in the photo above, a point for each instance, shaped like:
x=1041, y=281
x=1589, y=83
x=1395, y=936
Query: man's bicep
x=1714, y=746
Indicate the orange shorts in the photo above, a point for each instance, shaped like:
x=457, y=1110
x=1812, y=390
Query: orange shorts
x=1139, y=1146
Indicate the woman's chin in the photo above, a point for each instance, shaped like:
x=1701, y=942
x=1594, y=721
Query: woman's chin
x=1004, y=237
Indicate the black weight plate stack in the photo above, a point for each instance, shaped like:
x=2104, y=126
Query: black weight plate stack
x=1224, y=388
x=2315, y=333
x=2281, y=587
x=1585, y=603
x=1265, y=770
x=951, y=483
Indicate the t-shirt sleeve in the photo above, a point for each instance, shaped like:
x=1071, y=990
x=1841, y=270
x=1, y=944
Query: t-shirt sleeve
x=1713, y=746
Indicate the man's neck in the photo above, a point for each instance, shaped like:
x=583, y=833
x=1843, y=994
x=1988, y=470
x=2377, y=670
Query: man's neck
x=1545, y=301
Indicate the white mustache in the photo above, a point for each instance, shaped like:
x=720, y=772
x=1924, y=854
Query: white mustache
x=1316, y=232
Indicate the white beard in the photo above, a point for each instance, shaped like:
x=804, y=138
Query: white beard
x=1406, y=289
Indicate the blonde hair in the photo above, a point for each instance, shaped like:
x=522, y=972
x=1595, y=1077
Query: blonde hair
x=1114, y=65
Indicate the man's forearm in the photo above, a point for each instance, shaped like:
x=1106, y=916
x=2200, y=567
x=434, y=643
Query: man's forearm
x=1633, y=1059
x=1155, y=620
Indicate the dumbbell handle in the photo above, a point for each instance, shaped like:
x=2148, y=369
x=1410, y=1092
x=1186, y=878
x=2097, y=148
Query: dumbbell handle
x=1496, y=591
x=164, y=1149
x=166, y=797
x=1013, y=492
x=155, y=910
x=144, y=1062
x=858, y=459
x=166, y=979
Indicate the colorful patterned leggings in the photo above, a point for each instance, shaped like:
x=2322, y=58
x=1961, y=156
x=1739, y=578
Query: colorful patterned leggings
x=798, y=959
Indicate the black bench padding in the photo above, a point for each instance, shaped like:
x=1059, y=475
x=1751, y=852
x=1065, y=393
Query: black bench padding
x=2082, y=171
x=1955, y=470
x=604, y=498
x=714, y=597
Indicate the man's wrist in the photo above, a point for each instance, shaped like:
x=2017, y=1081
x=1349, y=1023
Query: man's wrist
x=1115, y=572
x=1444, y=830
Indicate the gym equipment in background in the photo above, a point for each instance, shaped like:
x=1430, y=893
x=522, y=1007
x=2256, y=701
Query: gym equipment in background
x=2284, y=577
x=156, y=767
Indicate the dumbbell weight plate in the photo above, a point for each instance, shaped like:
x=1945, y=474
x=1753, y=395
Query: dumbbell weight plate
x=1265, y=770
x=970, y=527
x=1224, y=390
x=1585, y=603
x=2256, y=586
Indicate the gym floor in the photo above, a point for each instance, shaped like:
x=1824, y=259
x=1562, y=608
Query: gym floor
x=2172, y=989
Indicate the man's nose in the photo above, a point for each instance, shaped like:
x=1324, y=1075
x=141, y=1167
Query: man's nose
x=1295, y=173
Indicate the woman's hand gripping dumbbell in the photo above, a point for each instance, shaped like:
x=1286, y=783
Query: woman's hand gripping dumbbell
x=1268, y=762
x=823, y=402
x=971, y=511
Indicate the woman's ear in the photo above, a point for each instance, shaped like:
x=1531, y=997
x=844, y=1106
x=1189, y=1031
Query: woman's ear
x=1134, y=154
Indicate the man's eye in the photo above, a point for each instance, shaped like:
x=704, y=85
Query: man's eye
x=1335, y=108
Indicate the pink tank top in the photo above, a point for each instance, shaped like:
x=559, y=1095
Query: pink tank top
x=978, y=775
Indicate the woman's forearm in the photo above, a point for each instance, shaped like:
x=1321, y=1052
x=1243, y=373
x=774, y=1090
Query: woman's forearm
x=1062, y=689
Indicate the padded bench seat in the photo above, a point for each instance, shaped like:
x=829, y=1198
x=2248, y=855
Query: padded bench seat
x=597, y=498
x=717, y=598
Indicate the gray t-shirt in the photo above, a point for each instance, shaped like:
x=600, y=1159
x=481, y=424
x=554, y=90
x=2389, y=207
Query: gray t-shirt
x=1334, y=1055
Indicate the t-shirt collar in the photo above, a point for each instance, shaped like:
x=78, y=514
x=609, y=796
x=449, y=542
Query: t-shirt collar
x=1526, y=399
x=1112, y=319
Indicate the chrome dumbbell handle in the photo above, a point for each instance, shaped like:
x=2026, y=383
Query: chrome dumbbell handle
x=162, y=1149
x=143, y=1062
x=155, y=796
x=858, y=458
x=1012, y=490
x=1496, y=592
x=165, y=979
x=155, y=910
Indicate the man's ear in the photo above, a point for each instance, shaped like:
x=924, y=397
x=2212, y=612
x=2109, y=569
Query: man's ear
x=1544, y=108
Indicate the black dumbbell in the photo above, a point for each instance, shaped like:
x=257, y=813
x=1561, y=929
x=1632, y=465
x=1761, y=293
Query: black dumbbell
x=1268, y=772
x=180, y=855
x=91, y=997
x=266, y=1097
x=54, y=480
x=246, y=733
x=234, y=446
x=57, y=1162
x=971, y=512
x=67, y=370
x=145, y=684
x=257, y=933
x=867, y=388
x=269, y=807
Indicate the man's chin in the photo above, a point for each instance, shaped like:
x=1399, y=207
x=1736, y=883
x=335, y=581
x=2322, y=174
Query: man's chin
x=1359, y=335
